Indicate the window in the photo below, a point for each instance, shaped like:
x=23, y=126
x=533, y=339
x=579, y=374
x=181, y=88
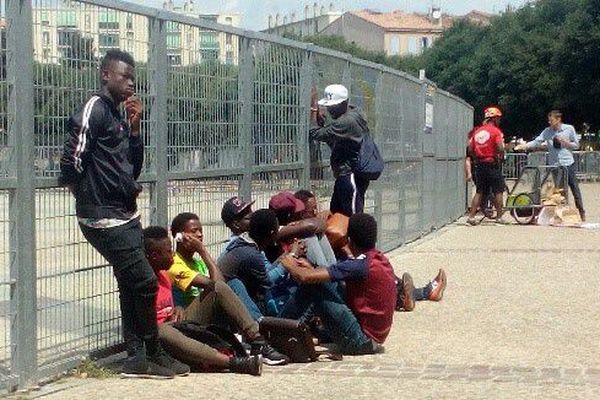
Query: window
x=394, y=45
x=88, y=22
x=44, y=18
x=173, y=27
x=228, y=21
x=66, y=37
x=174, y=59
x=45, y=39
x=412, y=45
x=130, y=40
x=46, y=54
x=424, y=42
x=173, y=41
x=208, y=39
x=108, y=40
x=67, y=18
x=229, y=57
x=209, y=54
x=129, y=23
x=108, y=21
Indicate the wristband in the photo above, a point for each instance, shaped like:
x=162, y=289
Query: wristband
x=314, y=109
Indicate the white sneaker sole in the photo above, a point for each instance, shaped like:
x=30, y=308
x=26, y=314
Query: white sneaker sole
x=270, y=362
x=126, y=375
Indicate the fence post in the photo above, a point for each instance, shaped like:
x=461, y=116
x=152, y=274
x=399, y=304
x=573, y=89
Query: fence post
x=376, y=186
x=158, y=67
x=22, y=200
x=303, y=139
x=246, y=99
x=425, y=158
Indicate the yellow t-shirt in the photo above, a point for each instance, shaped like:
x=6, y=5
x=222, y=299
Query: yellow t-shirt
x=181, y=274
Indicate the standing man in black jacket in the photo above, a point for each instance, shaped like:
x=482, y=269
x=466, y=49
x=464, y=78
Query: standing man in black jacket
x=344, y=134
x=102, y=159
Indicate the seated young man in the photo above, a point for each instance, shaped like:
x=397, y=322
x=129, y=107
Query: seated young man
x=185, y=276
x=236, y=215
x=408, y=294
x=361, y=322
x=298, y=223
x=324, y=299
x=157, y=246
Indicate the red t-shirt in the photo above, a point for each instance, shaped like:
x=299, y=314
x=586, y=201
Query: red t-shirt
x=484, y=142
x=165, y=306
x=373, y=299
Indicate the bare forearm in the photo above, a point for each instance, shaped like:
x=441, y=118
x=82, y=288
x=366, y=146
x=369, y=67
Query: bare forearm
x=213, y=271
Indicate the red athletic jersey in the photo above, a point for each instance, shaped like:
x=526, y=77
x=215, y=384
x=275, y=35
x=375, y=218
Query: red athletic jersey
x=484, y=141
x=373, y=299
x=165, y=306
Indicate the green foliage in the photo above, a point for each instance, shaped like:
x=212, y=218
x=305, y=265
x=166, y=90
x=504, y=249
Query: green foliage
x=542, y=56
x=539, y=57
x=409, y=64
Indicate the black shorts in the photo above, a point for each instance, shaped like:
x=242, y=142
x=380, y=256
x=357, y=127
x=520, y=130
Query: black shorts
x=488, y=178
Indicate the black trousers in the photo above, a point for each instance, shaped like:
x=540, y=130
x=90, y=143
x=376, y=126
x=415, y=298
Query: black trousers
x=349, y=195
x=122, y=246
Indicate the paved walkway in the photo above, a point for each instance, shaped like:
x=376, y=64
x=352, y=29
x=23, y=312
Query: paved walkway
x=520, y=319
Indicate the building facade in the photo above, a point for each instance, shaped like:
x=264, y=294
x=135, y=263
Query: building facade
x=315, y=20
x=395, y=33
x=84, y=32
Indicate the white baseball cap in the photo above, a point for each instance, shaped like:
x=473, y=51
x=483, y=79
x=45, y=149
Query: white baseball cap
x=334, y=94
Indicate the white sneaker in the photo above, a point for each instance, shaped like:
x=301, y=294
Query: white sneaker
x=502, y=221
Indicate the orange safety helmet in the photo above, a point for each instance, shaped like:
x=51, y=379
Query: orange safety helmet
x=491, y=112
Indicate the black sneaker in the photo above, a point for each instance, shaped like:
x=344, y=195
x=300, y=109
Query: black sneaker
x=163, y=359
x=269, y=354
x=251, y=365
x=140, y=367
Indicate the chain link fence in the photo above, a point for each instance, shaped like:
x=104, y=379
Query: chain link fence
x=226, y=113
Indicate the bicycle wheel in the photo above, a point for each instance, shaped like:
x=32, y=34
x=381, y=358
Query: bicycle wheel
x=524, y=211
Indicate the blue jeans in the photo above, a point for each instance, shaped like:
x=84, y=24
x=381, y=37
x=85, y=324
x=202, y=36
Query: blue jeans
x=238, y=287
x=337, y=317
x=319, y=251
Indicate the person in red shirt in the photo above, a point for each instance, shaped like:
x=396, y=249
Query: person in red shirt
x=486, y=148
x=216, y=300
x=360, y=322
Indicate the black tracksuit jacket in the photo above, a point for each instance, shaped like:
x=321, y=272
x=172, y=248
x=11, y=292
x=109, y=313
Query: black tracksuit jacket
x=102, y=160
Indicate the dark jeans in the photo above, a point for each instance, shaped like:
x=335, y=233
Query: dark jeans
x=572, y=176
x=348, y=195
x=338, y=319
x=122, y=246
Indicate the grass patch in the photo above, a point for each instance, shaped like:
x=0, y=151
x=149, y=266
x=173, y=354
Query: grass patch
x=89, y=369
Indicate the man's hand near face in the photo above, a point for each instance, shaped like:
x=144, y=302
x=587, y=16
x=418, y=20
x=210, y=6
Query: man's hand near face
x=134, y=109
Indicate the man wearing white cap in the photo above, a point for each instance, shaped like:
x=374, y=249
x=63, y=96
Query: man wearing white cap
x=343, y=133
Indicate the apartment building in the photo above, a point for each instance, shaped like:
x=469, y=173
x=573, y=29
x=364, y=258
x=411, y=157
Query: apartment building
x=75, y=31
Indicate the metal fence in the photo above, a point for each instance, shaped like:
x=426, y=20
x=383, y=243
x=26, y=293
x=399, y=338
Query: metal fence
x=587, y=164
x=227, y=112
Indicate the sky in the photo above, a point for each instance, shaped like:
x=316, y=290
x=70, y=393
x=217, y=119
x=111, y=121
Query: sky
x=255, y=13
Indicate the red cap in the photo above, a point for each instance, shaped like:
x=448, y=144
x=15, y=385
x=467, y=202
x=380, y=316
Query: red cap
x=286, y=202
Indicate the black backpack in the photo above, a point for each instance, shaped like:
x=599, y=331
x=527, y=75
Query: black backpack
x=217, y=337
x=369, y=163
